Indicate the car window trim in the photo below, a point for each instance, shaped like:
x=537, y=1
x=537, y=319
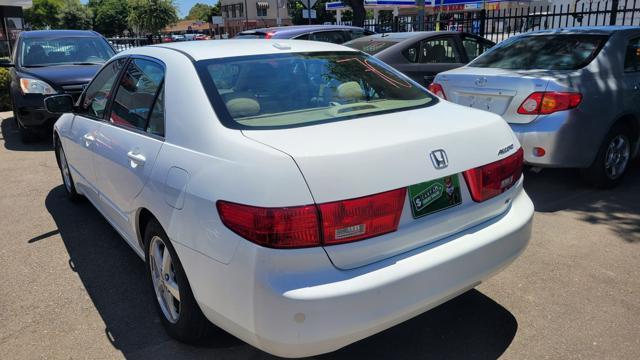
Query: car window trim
x=107, y=120
x=116, y=81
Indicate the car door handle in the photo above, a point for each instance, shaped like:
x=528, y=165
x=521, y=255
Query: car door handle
x=88, y=139
x=136, y=158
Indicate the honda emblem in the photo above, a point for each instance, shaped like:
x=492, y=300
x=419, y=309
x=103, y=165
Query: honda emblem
x=439, y=159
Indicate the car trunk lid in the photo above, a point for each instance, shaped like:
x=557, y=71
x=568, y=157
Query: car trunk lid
x=495, y=90
x=361, y=157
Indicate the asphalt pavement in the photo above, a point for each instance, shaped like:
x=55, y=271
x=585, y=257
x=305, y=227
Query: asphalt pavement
x=72, y=288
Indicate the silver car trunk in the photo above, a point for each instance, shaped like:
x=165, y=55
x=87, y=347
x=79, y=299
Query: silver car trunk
x=496, y=90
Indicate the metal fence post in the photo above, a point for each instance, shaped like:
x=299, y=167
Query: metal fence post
x=614, y=12
x=483, y=22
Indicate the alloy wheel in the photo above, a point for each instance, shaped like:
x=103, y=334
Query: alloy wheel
x=164, y=279
x=617, y=157
x=66, y=174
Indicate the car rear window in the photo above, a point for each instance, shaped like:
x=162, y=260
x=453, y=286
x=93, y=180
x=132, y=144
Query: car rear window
x=370, y=46
x=298, y=89
x=549, y=52
x=253, y=35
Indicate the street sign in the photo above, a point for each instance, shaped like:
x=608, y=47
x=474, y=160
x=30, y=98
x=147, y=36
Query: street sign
x=308, y=3
x=217, y=20
x=305, y=14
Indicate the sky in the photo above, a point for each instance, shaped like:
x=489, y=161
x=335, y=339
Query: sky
x=183, y=5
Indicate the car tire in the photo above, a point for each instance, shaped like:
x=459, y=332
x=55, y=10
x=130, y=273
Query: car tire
x=65, y=172
x=180, y=316
x=612, y=160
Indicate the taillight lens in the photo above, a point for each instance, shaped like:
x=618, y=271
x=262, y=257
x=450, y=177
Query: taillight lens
x=493, y=179
x=269, y=35
x=287, y=227
x=357, y=219
x=298, y=227
x=548, y=102
x=437, y=90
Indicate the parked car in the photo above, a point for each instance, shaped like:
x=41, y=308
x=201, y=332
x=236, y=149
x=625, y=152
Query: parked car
x=51, y=62
x=201, y=37
x=336, y=34
x=299, y=195
x=421, y=55
x=178, y=37
x=570, y=95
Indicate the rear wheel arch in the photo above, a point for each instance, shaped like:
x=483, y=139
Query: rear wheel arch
x=145, y=216
x=632, y=124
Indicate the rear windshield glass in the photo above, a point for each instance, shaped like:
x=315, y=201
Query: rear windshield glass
x=255, y=35
x=297, y=89
x=370, y=46
x=549, y=52
x=64, y=51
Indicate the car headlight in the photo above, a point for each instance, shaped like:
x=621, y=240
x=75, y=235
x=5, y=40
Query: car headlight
x=33, y=86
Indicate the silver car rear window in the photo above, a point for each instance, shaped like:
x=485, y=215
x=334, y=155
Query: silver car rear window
x=546, y=52
x=299, y=89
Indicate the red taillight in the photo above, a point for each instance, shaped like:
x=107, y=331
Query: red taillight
x=547, y=102
x=269, y=35
x=437, y=90
x=287, y=227
x=493, y=179
x=298, y=227
x=357, y=219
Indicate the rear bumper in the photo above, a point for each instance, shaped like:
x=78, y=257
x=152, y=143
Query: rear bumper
x=295, y=303
x=563, y=135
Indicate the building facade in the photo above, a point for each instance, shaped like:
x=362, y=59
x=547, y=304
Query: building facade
x=241, y=15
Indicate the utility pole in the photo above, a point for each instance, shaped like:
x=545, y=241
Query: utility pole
x=420, y=17
x=309, y=11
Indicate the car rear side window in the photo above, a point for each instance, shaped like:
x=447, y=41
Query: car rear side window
x=474, y=47
x=136, y=94
x=99, y=92
x=547, y=52
x=439, y=51
x=298, y=89
x=632, y=56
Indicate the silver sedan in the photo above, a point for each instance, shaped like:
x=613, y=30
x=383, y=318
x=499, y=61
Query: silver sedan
x=572, y=96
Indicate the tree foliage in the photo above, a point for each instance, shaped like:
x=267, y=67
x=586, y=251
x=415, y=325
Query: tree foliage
x=359, y=12
x=151, y=16
x=74, y=15
x=110, y=17
x=203, y=12
x=43, y=14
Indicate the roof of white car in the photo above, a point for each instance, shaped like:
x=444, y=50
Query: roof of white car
x=212, y=49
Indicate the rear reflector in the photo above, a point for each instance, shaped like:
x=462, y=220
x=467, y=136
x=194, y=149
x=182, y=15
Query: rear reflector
x=298, y=227
x=287, y=227
x=357, y=219
x=548, y=102
x=437, y=90
x=493, y=179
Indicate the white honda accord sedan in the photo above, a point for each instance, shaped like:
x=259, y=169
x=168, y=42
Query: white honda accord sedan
x=299, y=195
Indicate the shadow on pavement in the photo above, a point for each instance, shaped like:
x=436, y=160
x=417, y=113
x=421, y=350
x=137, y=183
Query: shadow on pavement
x=562, y=189
x=469, y=326
x=11, y=137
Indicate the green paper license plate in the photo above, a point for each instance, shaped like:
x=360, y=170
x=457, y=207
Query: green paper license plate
x=435, y=195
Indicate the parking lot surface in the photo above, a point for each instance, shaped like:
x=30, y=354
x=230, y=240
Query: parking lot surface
x=73, y=289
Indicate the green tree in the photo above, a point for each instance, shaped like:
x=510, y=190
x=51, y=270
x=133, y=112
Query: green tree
x=200, y=12
x=110, y=17
x=359, y=13
x=151, y=15
x=43, y=14
x=74, y=15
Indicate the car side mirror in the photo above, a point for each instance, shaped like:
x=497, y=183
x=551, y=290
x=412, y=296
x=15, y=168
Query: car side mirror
x=59, y=104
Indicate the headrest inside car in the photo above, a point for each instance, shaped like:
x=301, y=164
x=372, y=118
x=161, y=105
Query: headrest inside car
x=350, y=91
x=242, y=107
